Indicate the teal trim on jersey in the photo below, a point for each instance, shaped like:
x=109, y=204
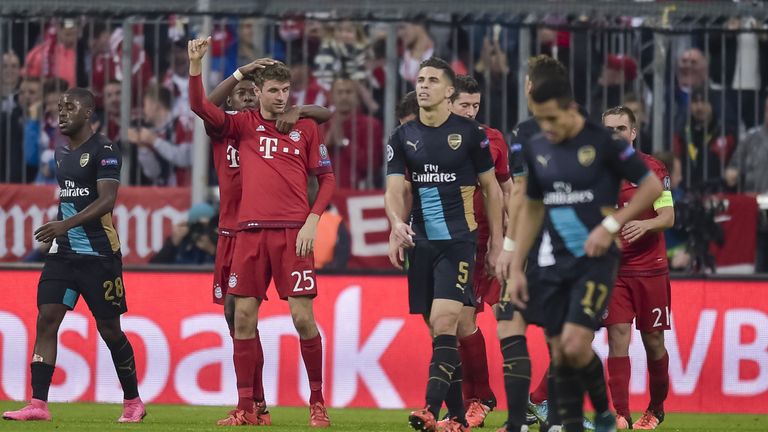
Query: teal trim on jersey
x=434, y=218
x=570, y=228
x=70, y=298
x=78, y=239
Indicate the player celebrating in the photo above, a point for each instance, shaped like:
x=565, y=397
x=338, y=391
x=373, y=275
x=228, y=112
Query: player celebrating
x=575, y=172
x=227, y=163
x=84, y=258
x=478, y=396
x=275, y=240
x=642, y=289
x=445, y=155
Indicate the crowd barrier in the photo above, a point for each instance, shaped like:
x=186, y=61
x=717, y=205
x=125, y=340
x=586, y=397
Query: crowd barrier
x=376, y=355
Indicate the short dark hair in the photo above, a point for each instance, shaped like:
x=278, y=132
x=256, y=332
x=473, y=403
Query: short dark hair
x=277, y=71
x=558, y=89
x=55, y=85
x=438, y=63
x=543, y=68
x=86, y=98
x=159, y=94
x=464, y=84
x=408, y=106
x=620, y=111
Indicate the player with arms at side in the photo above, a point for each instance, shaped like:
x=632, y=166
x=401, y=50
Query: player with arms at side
x=445, y=156
x=512, y=323
x=575, y=170
x=226, y=160
x=642, y=290
x=276, y=236
x=84, y=258
x=478, y=396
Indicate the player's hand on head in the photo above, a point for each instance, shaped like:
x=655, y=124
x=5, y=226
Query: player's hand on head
x=196, y=48
x=598, y=242
x=634, y=230
x=287, y=119
x=48, y=232
x=516, y=290
x=256, y=65
x=403, y=235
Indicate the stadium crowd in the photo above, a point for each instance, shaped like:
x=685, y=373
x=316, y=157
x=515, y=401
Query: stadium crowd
x=715, y=132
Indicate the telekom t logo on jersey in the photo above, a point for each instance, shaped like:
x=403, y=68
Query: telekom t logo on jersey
x=268, y=146
x=233, y=156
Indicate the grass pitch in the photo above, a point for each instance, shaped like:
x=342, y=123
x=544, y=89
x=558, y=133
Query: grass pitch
x=101, y=417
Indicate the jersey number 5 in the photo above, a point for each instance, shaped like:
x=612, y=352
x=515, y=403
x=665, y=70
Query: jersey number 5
x=463, y=272
x=303, y=277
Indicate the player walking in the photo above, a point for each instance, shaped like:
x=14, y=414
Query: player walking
x=445, y=155
x=84, y=258
x=642, y=290
x=276, y=237
x=575, y=171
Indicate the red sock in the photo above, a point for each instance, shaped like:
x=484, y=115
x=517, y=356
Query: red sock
x=312, y=353
x=619, y=372
x=659, y=382
x=540, y=394
x=474, y=362
x=258, y=383
x=244, y=358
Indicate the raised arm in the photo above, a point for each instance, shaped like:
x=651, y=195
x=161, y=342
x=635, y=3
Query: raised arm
x=204, y=109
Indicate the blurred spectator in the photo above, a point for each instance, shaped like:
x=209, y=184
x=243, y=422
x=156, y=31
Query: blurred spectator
x=164, y=144
x=177, y=80
x=748, y=170
x=304, y=88
x=250, y=40
x=56, y=55
x=332, y=246
x=46, y=175
x=9, y=83
x=104, y=62
x=692, y=74
x=616, y=79
x=41, y=124
x=19, y=164
x=492, y=74
x=354, y=139
x=417, y=46
x=112, y=103
x=408, y=108
x=704, y=147
x=193, y=241
x=644, y=132
x=342, y=52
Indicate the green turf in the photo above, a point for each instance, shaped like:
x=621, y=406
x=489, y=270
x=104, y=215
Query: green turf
x=100, y=417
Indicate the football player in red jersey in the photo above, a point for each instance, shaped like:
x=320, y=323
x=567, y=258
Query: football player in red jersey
x=276, y=236
x=478, y=396
x=642, y=289
x=226, y=160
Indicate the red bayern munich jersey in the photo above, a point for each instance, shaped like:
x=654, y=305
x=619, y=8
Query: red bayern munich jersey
x=226, y=161
x=501, y=164
x=648, y=254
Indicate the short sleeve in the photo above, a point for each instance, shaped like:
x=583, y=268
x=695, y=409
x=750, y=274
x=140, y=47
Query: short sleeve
x=517, y=164
x=624, y=161
x=109, y=161
x=395, y=155
x=479, y=151
x=533, y=189
x=319, y=161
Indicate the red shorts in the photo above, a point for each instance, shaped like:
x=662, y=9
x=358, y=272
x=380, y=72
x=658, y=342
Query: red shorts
x=264, y=254
x=225, y=249
x=485, y=289
x=647, y=298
